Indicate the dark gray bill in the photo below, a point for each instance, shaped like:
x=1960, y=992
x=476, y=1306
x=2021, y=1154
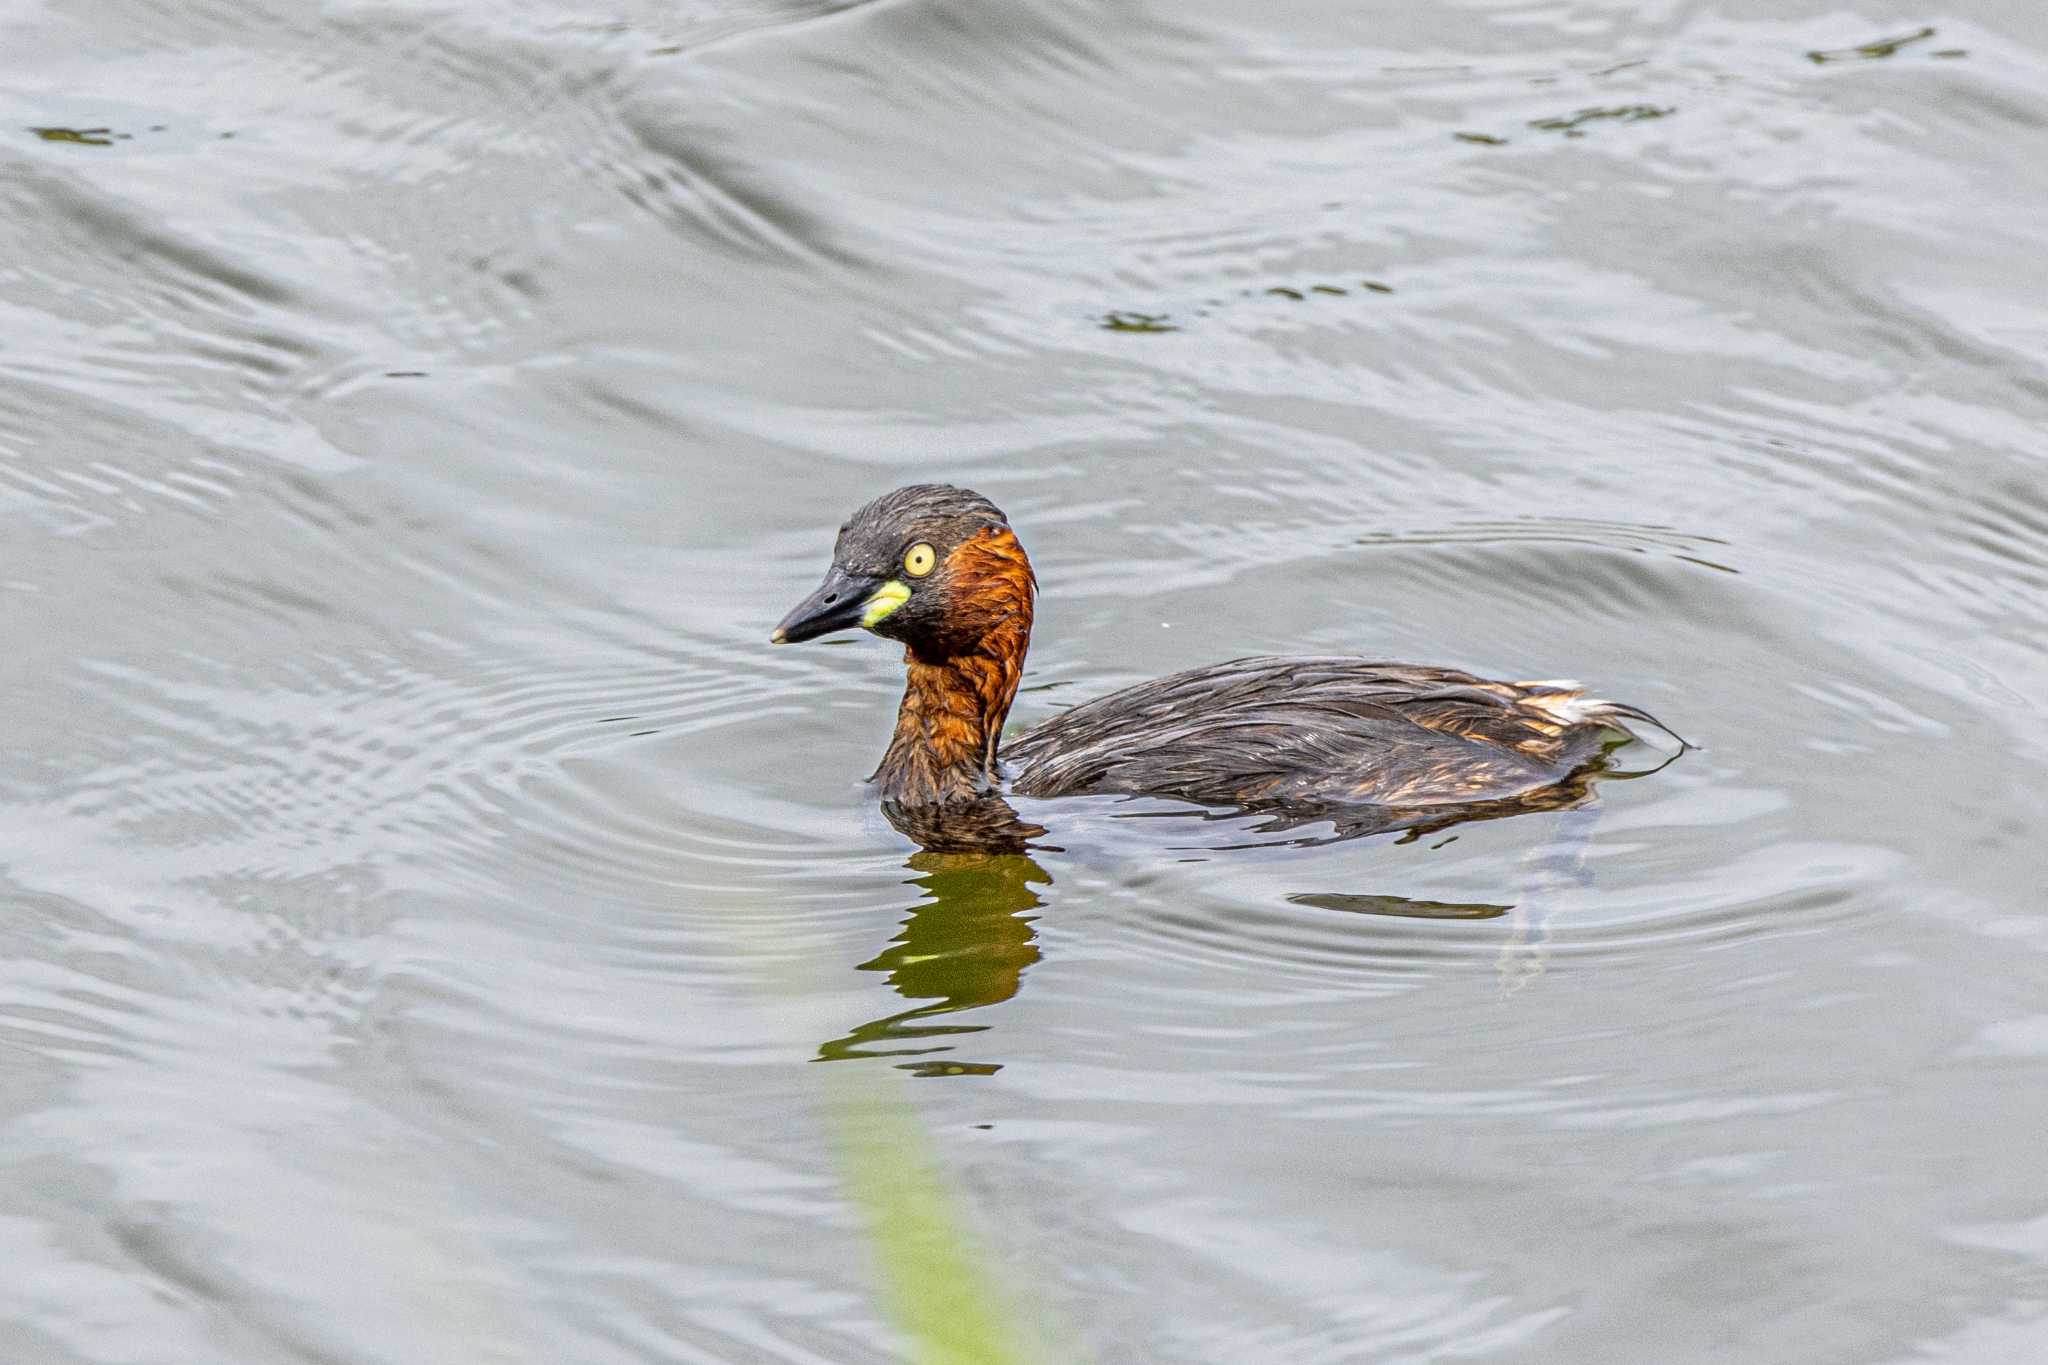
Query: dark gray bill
x=836, y=605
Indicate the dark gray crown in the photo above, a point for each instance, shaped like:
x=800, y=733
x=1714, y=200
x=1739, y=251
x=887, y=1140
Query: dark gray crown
x=873, y=539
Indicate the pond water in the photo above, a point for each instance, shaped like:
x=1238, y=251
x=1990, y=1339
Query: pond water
x=430, y=914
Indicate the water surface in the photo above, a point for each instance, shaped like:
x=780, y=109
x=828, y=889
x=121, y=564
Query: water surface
x=425, y=900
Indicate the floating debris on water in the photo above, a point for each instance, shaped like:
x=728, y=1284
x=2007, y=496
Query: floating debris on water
x=1398, y=906
x=1873, y=50
x=1483, y=139
x=87, y=137
x=1302, y=292
x=931, y=1070
x=1128, y=320
x=1573, y=125
x=1124, y=321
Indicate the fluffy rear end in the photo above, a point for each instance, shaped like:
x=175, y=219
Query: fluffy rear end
x=1568, y=703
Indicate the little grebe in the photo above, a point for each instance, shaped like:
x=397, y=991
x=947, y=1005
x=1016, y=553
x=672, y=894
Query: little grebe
x=939, y=569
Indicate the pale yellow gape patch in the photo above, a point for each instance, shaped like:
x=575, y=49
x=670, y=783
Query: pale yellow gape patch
x=887, y=598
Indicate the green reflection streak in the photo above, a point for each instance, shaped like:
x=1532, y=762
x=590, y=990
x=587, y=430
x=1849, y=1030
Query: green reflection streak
x=936, y=1284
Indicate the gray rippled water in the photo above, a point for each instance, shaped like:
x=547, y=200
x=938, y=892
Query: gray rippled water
x=423, y=895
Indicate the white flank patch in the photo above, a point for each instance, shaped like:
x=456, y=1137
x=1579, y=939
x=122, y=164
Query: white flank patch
x=1569, y=704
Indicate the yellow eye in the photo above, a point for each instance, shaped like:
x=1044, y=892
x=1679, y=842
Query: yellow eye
x=919, y=560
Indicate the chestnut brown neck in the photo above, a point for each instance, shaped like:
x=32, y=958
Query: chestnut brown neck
x=959, y=684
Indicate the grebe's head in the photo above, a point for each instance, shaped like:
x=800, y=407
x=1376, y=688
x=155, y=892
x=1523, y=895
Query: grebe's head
x=934, y=566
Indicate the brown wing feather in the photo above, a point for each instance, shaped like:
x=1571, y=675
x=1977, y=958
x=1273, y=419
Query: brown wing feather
x=1324, y=731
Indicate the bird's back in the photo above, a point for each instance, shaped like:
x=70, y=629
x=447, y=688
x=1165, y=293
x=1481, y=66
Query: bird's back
x=1322, y=732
